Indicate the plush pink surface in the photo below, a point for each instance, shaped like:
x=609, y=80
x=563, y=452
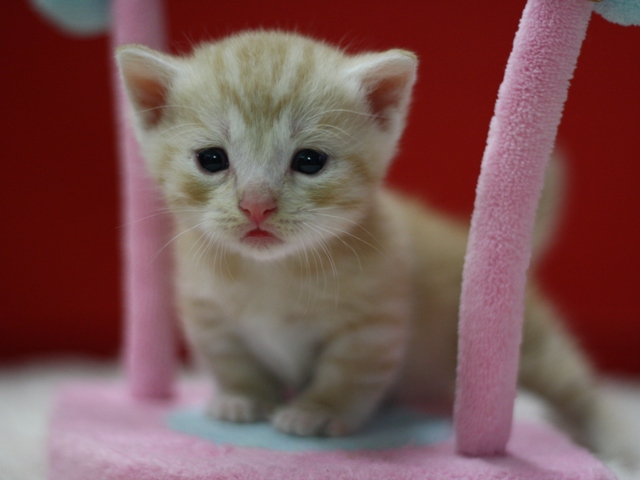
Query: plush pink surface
x=99, y=432
x=148, y=291
x=521, y=137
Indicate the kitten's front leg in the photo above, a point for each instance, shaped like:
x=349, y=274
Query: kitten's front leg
x=353, y=374
x=245, y=392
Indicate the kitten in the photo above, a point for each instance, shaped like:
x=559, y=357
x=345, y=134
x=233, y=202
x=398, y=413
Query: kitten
x=298, y=270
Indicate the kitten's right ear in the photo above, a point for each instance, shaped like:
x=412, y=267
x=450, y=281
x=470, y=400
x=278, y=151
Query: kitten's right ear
x=147, y=76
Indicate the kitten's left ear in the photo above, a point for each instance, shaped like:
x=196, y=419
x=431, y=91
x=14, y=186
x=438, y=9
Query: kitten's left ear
x=386, y=80
x=147, y=76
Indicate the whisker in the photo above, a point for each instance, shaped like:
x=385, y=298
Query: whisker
x=168, y=211
x=332, y=263
x=301, y=284
x=215, y=258
x=174, y=239
x=179, y=132
x=224, y=255
x=335, y=235
x=202, y=249
x=373, y=237
x=305, y=285
x=317, y=260
x=177, y=106
x=178, y=126
x=338, y=129
x=344, y=110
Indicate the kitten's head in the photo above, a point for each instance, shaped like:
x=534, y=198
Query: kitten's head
x=268, y=142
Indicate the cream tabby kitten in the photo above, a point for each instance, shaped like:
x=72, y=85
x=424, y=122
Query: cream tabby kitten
x=298, y=270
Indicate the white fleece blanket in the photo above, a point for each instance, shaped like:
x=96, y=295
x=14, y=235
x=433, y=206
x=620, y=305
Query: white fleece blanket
x=27, y=390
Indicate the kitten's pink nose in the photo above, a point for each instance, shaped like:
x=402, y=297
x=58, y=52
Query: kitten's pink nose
x=257, y=208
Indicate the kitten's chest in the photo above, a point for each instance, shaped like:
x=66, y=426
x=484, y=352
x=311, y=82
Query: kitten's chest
x=278, y=327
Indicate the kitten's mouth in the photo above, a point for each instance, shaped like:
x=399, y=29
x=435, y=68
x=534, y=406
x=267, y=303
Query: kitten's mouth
x=260, y=238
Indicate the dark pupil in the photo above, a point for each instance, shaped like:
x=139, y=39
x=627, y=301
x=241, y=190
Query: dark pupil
x=308, y=161
x=213, y=159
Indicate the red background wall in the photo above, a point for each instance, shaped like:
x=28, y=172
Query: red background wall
x=59, y=260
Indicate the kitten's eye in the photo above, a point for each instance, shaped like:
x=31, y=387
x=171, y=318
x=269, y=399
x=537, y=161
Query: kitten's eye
x=308, y=161
x=213, y=159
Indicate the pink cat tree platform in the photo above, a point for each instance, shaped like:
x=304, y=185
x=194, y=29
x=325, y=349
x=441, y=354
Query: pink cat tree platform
x=125, y=432
x=100, y=432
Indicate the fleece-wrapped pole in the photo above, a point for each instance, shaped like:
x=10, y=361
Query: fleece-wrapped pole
x=149, y=344
x=520, y=141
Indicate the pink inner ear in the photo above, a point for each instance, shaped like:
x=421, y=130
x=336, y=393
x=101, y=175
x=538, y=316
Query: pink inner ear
x=384, y=96
x=150, y=97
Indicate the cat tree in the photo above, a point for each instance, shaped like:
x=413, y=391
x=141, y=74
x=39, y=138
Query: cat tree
x=116, y=431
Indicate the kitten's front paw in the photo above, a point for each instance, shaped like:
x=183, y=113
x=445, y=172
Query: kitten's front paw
x=233, y=407
x=307, y=420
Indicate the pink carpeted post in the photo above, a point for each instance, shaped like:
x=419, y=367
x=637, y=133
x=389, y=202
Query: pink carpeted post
x=149, y=344
x=521, y=138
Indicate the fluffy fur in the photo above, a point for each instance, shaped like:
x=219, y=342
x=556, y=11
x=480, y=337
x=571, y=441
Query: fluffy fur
x=349, y=294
